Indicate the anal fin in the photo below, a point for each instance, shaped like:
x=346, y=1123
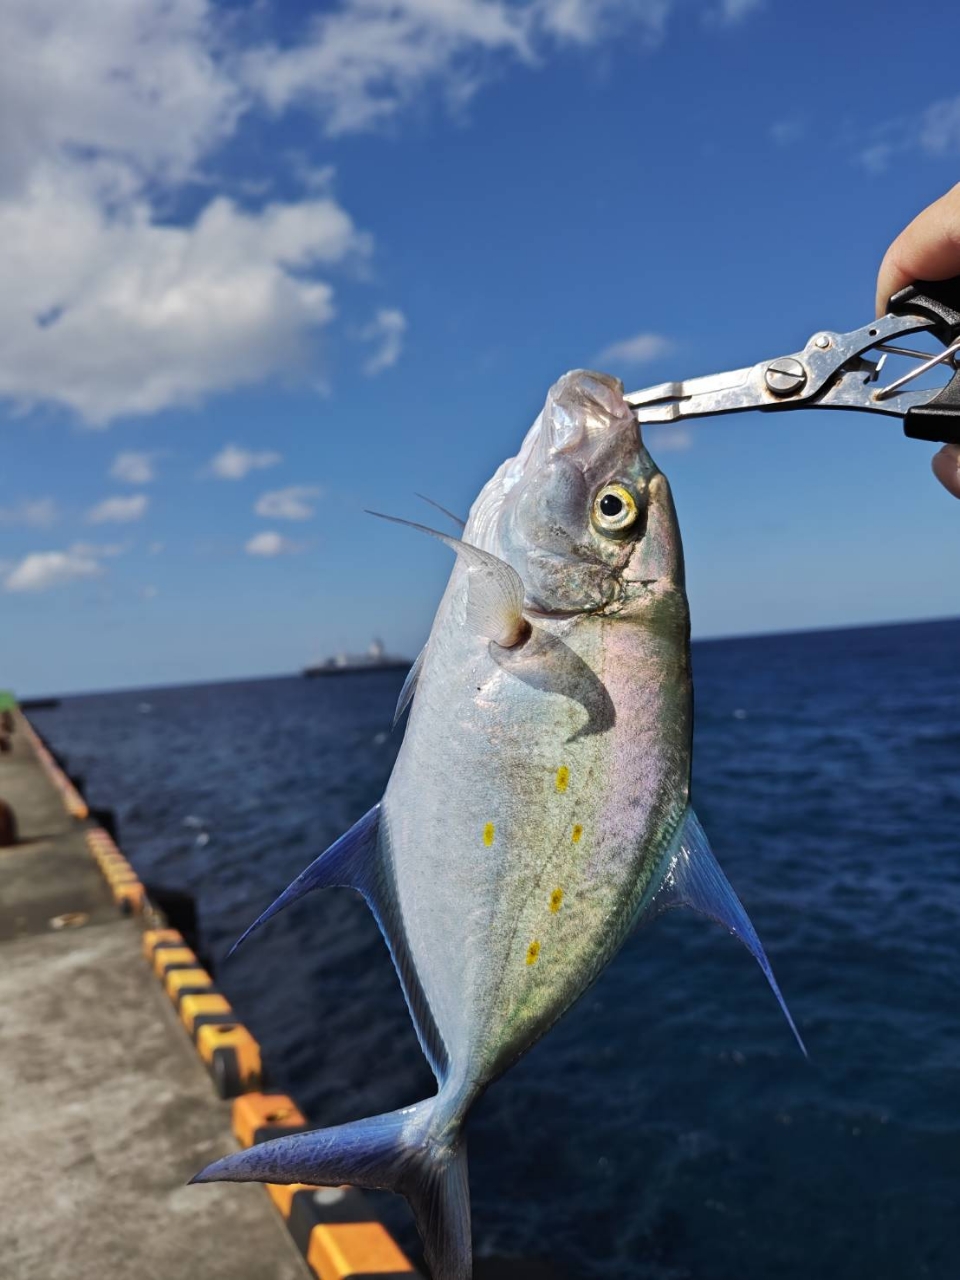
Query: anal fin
x=692, y=877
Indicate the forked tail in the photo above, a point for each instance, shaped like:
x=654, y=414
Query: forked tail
x=419, y=1151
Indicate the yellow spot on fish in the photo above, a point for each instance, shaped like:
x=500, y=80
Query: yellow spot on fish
x=488, y=831
x=563, y=778
x=576, y=833
x=556, y=900
x=533, y=952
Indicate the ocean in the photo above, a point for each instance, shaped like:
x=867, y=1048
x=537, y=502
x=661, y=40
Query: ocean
x=668, y=1128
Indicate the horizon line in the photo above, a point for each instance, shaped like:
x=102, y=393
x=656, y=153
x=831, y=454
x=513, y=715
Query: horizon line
x=292, y=675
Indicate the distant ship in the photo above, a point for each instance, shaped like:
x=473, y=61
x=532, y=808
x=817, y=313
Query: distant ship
x=375, y=659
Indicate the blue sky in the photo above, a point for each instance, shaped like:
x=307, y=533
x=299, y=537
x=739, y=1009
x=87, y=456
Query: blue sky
x=264, y=266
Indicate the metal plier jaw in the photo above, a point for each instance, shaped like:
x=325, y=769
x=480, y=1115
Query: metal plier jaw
x=833, y=371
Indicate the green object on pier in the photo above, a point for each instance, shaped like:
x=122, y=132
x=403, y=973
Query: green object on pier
x=7, y=701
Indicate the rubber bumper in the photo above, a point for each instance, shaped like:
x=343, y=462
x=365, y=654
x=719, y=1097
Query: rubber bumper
x=154, y=938
x=186, y=982
x=207, y=1009
x=232, y=1057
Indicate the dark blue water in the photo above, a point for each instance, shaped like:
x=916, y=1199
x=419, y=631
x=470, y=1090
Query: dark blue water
x=667, y=1128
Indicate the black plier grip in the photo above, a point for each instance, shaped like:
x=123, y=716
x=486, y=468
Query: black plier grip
x=939, y=300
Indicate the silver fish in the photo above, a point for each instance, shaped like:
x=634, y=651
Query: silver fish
x=539, y=808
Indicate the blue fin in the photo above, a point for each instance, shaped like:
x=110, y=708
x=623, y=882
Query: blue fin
x=345, y=864
x=693, y=878
x=356, y=861
x=409, y=687
x=419, y=1152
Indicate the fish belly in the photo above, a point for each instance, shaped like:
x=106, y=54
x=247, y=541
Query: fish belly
x=522, y=832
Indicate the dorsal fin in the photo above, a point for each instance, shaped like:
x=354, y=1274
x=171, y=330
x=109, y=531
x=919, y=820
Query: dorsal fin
x=437, y=507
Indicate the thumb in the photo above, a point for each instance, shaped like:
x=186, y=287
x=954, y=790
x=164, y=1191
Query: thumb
x=946, y=467
x=929, y=249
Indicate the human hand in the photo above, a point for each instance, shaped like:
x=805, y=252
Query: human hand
x=929, y=249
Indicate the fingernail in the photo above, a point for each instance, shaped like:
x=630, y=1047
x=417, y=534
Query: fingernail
x=946, y=467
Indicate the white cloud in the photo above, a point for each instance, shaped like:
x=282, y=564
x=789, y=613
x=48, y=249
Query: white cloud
x=933, y=132
x=367, y=59
x=107, y=307
x=939, y=133
x=233, y=462
x=131, y=78
x=731, y=12
x=387, y=330
x=295, y=503
x=156, y=548
x=642, y=348
x=111, y=112
x=667, y=439
x=42, y=570
x=149, y=593
x=99, y=550
x=134, y=468
x=109, y=312
x=119, y=510
x=586, y=22
x=787, y=131
x=877, y=156
x=269, y=544
x=32, y=513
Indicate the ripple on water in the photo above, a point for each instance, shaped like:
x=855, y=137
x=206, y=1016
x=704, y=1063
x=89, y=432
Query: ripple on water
x=667, y=1128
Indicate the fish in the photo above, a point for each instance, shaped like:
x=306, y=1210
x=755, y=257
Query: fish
x=539, y=808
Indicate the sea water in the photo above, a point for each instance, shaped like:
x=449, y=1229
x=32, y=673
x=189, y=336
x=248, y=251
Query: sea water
x=667, y=1128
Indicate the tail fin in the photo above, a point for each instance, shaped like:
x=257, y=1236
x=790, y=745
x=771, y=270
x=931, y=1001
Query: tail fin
x=419, y=1151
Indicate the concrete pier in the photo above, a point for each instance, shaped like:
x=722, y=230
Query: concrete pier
x=105, y=1109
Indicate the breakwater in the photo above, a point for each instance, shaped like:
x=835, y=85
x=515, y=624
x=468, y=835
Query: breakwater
x=109, y=1057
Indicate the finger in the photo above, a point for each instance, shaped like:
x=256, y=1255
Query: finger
x=946, y=467
x=929, y=249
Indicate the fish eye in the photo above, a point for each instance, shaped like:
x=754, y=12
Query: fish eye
x=614, y=509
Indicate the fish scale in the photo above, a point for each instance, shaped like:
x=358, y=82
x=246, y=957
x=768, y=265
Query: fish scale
x=539, y=805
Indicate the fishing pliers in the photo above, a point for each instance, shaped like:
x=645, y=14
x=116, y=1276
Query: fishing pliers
x=836, y=371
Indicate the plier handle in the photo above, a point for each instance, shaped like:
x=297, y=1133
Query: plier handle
x=833, y=371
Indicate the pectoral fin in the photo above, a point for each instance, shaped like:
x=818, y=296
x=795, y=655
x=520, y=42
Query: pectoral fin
x=409, y=687
x=495, y=590
x=692, y=877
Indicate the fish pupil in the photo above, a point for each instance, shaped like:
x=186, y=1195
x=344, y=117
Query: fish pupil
x=611, y=505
